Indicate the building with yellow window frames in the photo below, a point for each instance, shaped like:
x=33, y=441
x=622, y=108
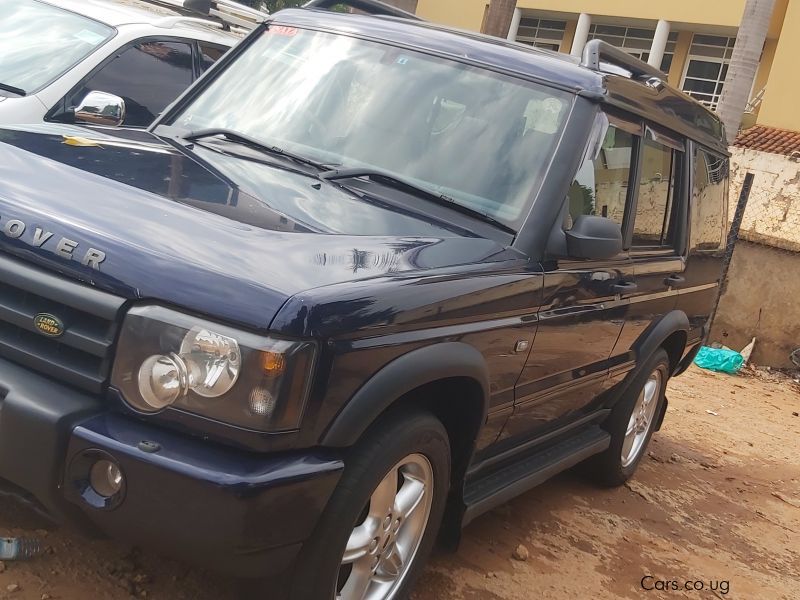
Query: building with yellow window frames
x=690, y=41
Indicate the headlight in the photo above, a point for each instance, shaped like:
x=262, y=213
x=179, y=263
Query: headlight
x=169, y=360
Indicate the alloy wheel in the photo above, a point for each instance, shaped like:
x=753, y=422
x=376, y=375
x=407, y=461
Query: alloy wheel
x=641, y=420
x=383, y=545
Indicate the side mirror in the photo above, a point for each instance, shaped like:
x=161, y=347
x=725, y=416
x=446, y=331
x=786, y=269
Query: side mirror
x=101, y=108
x=594, y=237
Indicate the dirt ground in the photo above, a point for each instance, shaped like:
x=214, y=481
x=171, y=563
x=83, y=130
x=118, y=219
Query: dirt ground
x=715, y=504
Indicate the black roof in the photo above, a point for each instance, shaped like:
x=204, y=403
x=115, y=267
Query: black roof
x=661, y=104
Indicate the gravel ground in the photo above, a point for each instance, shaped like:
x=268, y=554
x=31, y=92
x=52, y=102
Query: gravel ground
x=715, y=504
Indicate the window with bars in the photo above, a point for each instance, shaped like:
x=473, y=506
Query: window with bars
x=635, y=41
x=707, y=67
x=541, y=33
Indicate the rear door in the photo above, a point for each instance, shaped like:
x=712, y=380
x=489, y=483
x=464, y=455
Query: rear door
x=706, y=239
x=655, y=230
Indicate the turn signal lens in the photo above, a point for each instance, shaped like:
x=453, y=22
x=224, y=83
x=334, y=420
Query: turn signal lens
x=274, y=364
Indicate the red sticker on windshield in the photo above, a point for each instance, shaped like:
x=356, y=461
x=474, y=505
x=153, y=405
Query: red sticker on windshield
x=282, y=30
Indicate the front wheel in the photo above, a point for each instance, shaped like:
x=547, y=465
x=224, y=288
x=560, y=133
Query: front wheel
x=383, y=518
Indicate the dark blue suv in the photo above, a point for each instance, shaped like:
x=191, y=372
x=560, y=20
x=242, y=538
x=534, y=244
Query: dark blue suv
x=364, y=281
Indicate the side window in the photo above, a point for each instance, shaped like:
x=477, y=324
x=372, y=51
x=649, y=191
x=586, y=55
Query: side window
x=209, y=54
x=659, y=182
x=148, y=76
x=601, y=185
x=709, y=201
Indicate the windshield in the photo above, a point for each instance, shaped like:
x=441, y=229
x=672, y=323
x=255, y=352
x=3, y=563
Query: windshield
x=38, y=42
x=479, y=138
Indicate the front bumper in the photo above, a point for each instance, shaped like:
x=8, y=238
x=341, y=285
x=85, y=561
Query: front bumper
x=239, y=513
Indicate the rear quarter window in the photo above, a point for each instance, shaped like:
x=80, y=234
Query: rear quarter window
x=709, y=201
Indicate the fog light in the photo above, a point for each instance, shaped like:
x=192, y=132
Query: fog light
x=106, y=478
x=261, y=402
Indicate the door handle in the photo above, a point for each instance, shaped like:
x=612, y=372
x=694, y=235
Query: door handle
x=624, y=287
x=675, y=280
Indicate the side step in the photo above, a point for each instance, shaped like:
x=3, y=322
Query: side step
x=507, y=482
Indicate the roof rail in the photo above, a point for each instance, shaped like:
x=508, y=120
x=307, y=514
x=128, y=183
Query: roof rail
x=597, y=52
x=226, y=12
x=170, y=22
x=231, y=13
x=371, y=7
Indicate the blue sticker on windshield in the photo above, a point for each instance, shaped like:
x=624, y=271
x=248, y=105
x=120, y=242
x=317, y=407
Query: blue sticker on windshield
x=402, y=60
x=90, y=37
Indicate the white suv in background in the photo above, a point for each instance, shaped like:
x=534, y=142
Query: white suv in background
x=111, y=62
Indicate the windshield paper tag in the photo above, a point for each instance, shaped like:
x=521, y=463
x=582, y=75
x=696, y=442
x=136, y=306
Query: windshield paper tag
x=90, y=37
x=282, y=30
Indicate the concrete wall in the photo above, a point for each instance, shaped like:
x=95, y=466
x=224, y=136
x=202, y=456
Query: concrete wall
x=762, y=300
x=773, y=211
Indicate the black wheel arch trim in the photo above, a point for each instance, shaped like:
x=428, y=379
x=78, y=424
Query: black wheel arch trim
x=651, y=340
x=403, y=375
x=673, y=322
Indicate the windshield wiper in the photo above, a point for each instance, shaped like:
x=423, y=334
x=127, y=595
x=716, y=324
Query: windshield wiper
x=14, y=90
x=255, y=144
x=391, y=180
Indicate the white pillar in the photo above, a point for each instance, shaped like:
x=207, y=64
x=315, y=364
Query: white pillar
x=514, y=29
x=581, y=34
x=659, y=44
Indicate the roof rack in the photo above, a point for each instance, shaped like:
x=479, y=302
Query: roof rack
x=225, y=12
x=170, y=22
x=371, y=7
x=596, y=53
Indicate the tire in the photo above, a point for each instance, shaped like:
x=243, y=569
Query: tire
x=619, y=462
x=415, y=447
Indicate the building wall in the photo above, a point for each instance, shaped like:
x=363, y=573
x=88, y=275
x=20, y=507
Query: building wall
x=408, y=5
x=719, y=17
x=779, y=108
x=466, y=14
x=719, y=13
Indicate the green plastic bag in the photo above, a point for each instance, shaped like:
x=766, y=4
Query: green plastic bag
x=719, y=359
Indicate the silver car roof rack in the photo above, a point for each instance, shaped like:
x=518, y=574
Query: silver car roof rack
x=170, y=22
x=226, y=13
x=371, y=7
x=597, y=54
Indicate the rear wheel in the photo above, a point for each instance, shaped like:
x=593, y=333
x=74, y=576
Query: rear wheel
x=632, y=422
x=383, y=518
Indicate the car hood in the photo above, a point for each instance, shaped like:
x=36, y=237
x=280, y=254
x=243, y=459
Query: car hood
x=229, y=238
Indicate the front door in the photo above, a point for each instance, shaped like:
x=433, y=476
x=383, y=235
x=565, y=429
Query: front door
x=579, y=323
x=584, y=302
